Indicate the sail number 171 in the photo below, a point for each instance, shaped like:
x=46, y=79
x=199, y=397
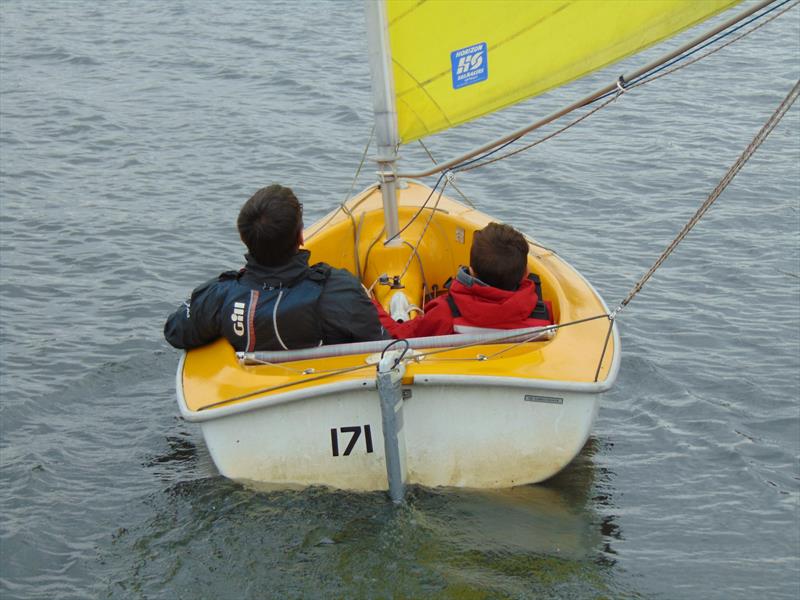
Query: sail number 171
x=355, y=434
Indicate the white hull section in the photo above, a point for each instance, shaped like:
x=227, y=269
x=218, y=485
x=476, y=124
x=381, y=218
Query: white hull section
x=466, y=435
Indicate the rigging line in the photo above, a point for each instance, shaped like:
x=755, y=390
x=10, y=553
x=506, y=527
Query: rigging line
x=511, y=345
x=414, y=252
x=653, y=77
x=424, y=229
x=361, y=164
x=648, y=76
x=419, y=211
x=274, y=388
x=721, y=36
x=349, y=213
x=255, y=361
x=342, y=207
x=462, y=166
x=453, y=183
x=415, y=358
x=532, y=338
x=266, y=363
x=325, y=224
x=357, y=243
x=732, y=172
x=605, y=347
x=535, y=244
x=369, y=249
x=541, y=140
x=356, y=227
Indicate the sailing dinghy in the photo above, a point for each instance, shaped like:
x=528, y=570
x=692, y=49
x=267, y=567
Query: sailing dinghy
x=488, y=409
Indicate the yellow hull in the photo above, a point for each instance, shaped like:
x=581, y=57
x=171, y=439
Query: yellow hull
x=212, y=374
x=577, y=363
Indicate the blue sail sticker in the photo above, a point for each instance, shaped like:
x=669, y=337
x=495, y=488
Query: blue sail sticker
x=469, y=65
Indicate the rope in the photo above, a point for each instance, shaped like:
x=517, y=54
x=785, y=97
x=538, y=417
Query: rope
x=421, y=208
x=648, y=76
x=455, y=187
x=555, y=327
x=320, y=375
x=539, y=141
x=605, y=347
x=732, y=172
x=664, y=70
x=288, y=385
x=415, y=248
x=342, y=206
x=414, y=252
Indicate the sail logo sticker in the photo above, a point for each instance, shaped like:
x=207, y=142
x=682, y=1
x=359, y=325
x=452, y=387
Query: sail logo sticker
x=469, y=65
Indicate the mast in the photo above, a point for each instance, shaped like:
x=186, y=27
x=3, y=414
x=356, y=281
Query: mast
x=380, y=64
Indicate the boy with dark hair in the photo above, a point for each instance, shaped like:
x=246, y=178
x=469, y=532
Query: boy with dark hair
x=270, y=224
x=277, y=301
x=494, y=292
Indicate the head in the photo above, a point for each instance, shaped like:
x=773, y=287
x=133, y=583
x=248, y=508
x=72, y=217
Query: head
x=271, y=225
x=499, y=256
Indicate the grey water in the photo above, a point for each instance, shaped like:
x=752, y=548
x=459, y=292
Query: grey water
x=130, y=134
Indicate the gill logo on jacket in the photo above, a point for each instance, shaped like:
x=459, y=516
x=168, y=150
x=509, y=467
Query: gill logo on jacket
x=237, y=316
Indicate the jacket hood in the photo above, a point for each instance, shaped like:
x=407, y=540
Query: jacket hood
x=278, y=275
x=485, y=306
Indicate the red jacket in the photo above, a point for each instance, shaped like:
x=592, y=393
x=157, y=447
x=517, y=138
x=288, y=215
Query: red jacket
x=479, y=305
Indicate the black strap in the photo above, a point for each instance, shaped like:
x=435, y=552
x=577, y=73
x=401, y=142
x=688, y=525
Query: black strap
x=230, y=275
x=453, y=307
x=317, y=273
x=540, y=310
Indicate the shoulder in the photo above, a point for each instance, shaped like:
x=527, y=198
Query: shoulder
x=230, y=275
x=333, y=277
x=342, y=291
x=217, y=284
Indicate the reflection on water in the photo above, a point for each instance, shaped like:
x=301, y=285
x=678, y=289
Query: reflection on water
x=443, y=543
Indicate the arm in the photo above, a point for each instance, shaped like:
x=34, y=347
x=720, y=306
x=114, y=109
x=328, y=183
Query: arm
x=346, y=312
x=436, y=321
x=196, y=322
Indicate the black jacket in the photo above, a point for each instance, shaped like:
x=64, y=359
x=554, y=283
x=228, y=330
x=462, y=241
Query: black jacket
x=272, y=308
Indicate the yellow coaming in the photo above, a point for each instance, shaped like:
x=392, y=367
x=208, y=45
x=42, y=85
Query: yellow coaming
x=212, y=374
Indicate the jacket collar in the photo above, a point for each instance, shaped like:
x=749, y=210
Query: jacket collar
x=279, y=275
x=486, y=306
x=464, y=277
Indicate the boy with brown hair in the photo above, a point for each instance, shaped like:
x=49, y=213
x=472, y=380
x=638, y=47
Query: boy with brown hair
x=277, y=301
x=494, y=292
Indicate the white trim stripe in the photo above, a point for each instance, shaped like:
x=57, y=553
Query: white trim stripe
x=275, y=320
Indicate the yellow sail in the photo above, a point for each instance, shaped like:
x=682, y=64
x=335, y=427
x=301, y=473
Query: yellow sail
x=455, y=60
